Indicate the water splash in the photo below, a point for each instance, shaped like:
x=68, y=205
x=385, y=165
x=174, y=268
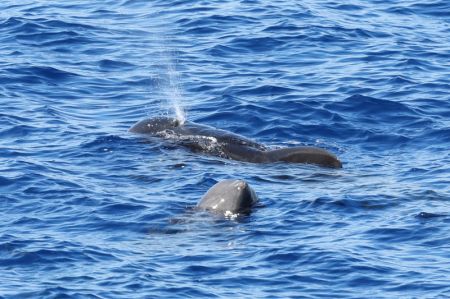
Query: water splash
x=168, y=79
x=169, y=83
x=174, y=92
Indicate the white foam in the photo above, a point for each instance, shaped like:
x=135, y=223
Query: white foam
x=231, y=215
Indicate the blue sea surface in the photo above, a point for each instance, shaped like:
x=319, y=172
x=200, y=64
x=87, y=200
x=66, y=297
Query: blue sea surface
x=89, y=210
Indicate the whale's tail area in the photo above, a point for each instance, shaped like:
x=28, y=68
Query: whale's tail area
x=304, y=154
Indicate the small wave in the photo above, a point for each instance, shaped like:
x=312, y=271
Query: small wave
x=5, y=182
x=371, y=106
x=283, y=26
x=112, y=65
x=39, y=74
x=347, y=7
x=392, y=234
x=440, y=135
x=120, y=208
x=44, y=256
x=428, y=215
x=19, y=131
x=225, y=51
x=256, y=44
x=265, y=90
x=439, y=8
x=415, y=63
x=352, y=205
x=103, y=142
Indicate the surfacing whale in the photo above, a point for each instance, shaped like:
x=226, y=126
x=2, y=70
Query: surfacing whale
x=203, y=138
x=230, y=197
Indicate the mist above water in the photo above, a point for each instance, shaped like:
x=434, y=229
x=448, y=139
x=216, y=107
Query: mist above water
x=170, y=84
x=174, y=95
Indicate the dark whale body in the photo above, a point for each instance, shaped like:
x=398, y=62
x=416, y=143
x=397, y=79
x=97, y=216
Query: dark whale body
x=230, y=197
x=228, y=145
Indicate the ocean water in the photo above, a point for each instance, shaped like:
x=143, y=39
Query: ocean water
x=90, y=211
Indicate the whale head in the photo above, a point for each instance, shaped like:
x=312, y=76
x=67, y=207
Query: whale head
x=155, y=125
x=230, y=197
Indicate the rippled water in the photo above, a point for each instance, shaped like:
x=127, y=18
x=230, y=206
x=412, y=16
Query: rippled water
x=90, y=211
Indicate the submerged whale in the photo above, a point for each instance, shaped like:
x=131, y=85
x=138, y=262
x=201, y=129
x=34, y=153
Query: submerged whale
x=203, y=138
x=230, y=197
